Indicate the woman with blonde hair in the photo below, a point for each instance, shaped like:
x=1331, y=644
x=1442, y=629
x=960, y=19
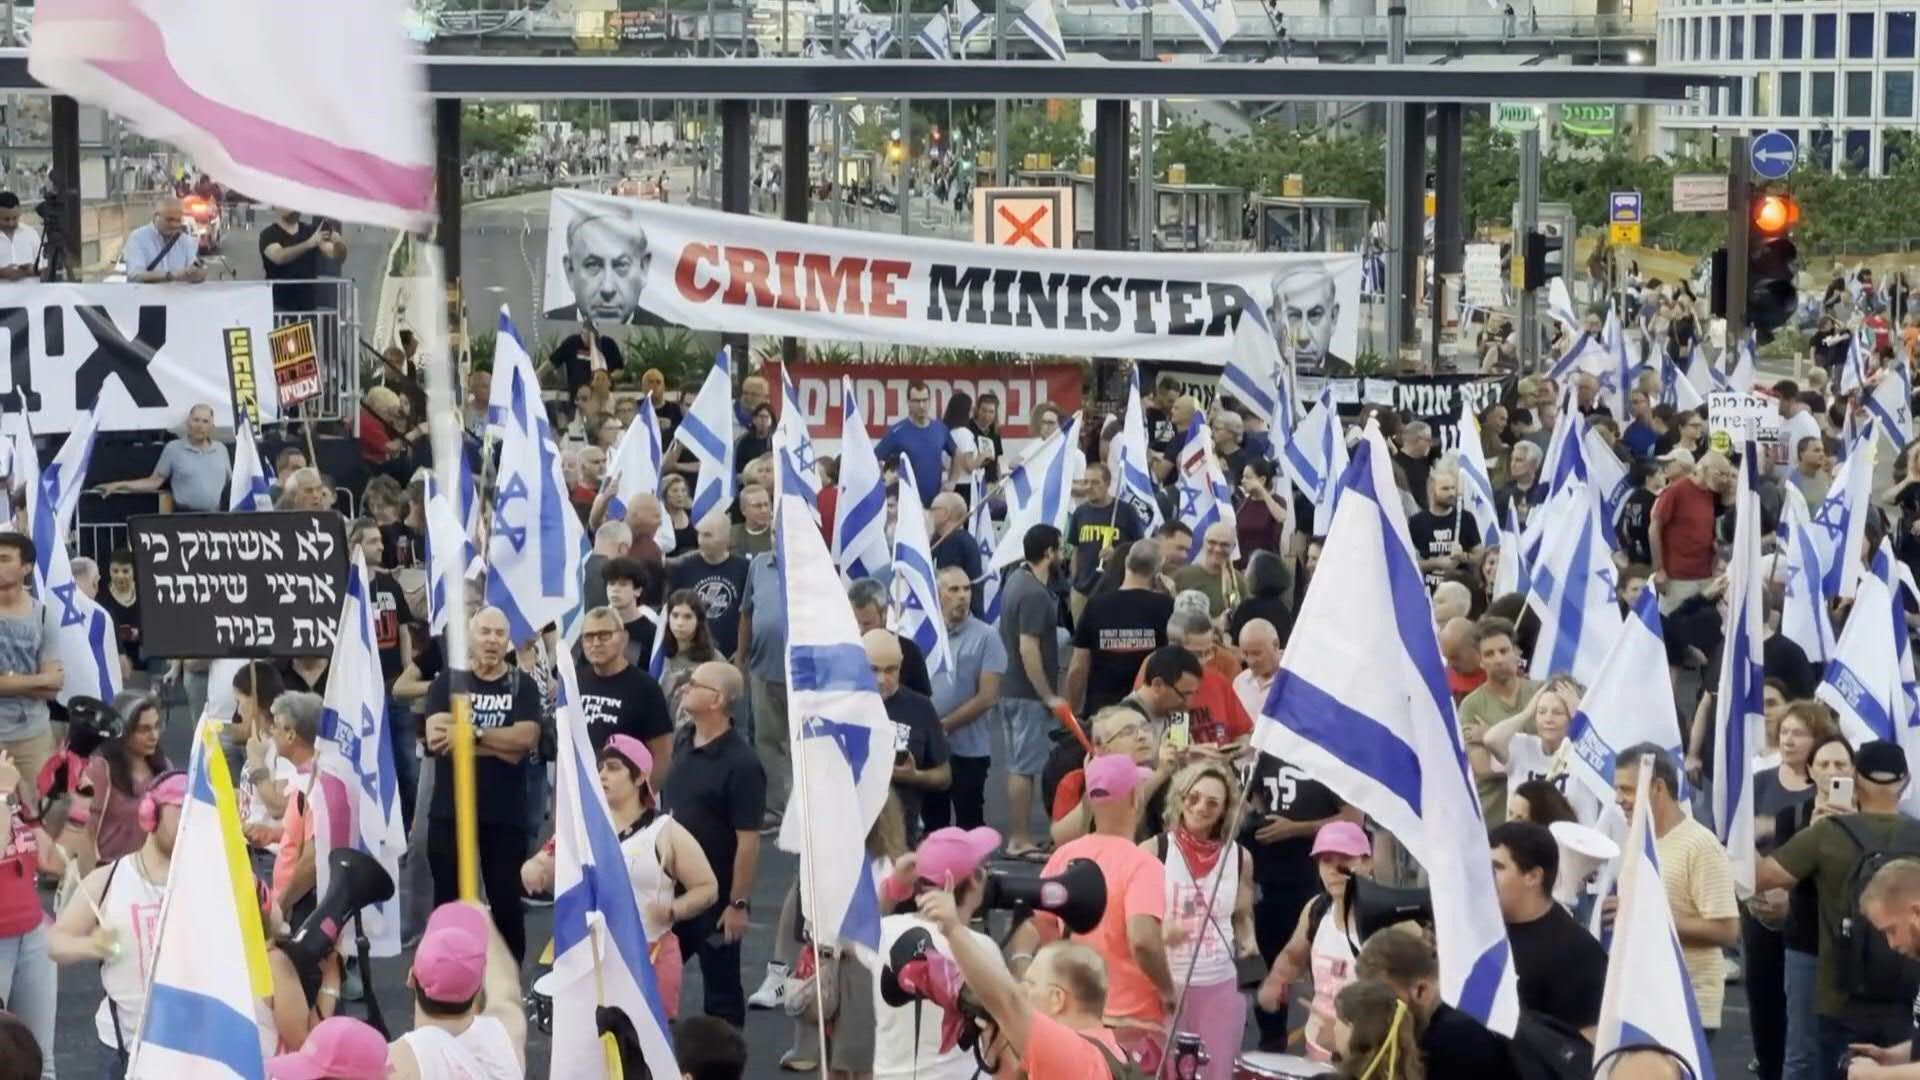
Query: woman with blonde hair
x=1376, y=1034
x=1209, y=910
x=1533, y=745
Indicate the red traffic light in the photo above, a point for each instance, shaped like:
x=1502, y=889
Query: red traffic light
x=1775, y=214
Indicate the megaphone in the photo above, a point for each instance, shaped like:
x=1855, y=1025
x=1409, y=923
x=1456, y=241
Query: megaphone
x=620, y=1045
x=907, y=948
x=1583, y=850
x=358, y=879
x=1376, y=907
x=1078, y=894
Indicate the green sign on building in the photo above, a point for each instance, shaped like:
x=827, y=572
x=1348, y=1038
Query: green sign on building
x=1516, y=117
x=1591, y=120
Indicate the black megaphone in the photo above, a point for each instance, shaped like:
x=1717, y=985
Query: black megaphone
x=1077, y=895
x=1376, y=906
x=907, y=948
x=358, y=879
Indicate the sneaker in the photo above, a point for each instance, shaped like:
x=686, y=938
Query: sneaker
x=797, y=1060
x=1733, y=970
x=773, y=989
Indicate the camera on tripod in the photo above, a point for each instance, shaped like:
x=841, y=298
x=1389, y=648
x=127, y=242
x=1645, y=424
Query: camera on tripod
x=52, y=212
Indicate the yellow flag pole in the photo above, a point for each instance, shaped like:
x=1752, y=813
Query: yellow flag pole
x=427, y=309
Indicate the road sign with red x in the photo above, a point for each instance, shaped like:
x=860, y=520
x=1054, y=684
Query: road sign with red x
x=1024, y=217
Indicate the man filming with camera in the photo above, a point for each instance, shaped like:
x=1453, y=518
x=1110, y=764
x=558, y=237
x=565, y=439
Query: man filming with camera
x=1051, y=1017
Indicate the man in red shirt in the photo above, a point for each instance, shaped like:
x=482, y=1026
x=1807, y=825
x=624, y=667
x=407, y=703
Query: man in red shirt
x=1682, y=532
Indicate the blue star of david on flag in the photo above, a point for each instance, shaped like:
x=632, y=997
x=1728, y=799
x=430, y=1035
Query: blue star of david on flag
x=514, y=489
x=851, y=740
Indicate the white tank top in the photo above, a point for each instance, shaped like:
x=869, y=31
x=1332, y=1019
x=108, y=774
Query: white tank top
x=650, y=880
x=1208, y=936
x=131, y=909
x=482, y=1052
x=1332, y=959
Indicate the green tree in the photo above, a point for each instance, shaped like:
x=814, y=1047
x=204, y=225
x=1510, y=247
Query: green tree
x=495, y=129
x=1030, y=132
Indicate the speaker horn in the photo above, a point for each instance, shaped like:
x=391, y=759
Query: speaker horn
x=1583, y=850
x=357, y=879
x=1376, y=906
x=1078, y=894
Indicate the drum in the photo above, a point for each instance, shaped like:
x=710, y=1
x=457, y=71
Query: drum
x=539, y=1003
x=1255, y=1065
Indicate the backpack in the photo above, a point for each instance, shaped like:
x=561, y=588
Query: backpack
x=1868, y=968
x=1120, y=1068
x=1543, y=1048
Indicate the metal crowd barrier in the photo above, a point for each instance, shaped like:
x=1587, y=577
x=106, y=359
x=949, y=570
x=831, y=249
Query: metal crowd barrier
x=336, y=333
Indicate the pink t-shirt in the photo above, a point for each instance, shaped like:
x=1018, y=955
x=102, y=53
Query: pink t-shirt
x=1057, y=1052
x=299, y=822
x=1136, y=885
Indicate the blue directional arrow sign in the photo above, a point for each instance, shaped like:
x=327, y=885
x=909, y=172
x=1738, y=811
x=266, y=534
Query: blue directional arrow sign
x=1773, y=155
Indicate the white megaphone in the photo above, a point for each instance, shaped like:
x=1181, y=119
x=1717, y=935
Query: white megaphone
x=1583, y=850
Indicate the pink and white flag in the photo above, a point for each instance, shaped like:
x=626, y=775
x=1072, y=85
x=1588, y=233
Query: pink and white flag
x=317, y=107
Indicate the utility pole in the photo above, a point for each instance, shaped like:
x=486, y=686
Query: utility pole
x=1525, y=222
x=1739, y=205
x=999, y=103
x=1399, y=211
x=1149, y=206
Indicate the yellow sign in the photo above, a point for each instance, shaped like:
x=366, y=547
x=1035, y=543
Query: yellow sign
x=246, y=398
x=1428, y=205
x=1625, y=234
x=295, y=366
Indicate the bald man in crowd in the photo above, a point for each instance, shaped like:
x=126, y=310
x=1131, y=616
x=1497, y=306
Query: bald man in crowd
x=506, y=728
x=1460, y=647
x=163, y=250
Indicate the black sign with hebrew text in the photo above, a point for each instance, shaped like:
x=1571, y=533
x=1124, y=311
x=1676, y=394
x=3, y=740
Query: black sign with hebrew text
x=244, y=584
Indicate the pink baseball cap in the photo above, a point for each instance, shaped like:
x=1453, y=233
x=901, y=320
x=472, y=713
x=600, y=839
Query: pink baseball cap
x=949, y=856
x=1342, y=838
x=451, y=962
x=634, y=751
x=338, y=1048
x=1114, y=776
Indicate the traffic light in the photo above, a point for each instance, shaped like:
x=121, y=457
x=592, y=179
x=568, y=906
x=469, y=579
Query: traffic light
x=1772, y=263
x=1541, y=259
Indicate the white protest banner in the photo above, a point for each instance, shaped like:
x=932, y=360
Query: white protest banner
x=142, y=356
x=1485, y=287
x=1733, y=416
x=627, y=260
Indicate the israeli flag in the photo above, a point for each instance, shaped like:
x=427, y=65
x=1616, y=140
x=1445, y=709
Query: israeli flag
x=450, y=548
x=86, y=643
x=1864, y=682
x=1839, y=523
x=1617, y=381
x=1254, y=374
x=209, y=970
x=707, y=433
x=980, y=527
x=637, y=469
x=1803, y=616
x=1565, y=459
x=600, y=953
x=1624, y=706
x=657, y=658
x=1608, y=475
x=933, y=37
x=355, y=750
x=1206, y=499
x=793, y=448
x=252, y=484
x=1509, y=570
x=537, y=553
x=1361, y=703
x=1741, y=375
x=1214, y=20
x=1560, y=305
x=1476, y=480
x=1315, y=458
x=1677, y=388
x=970, y=18
x=1584, y=354
x=916, y=591
x=1853, y=370
x=1648, y=999
x=1039, y=491
x=1891, y=403
x=860, y=516
x=1042, y=27
x=842, y=741
x=1739, y=731
x=1133, y=481
x=1704, y=376
x=1572, y=589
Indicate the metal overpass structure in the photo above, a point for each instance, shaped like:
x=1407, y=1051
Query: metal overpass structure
x=1114, y=35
